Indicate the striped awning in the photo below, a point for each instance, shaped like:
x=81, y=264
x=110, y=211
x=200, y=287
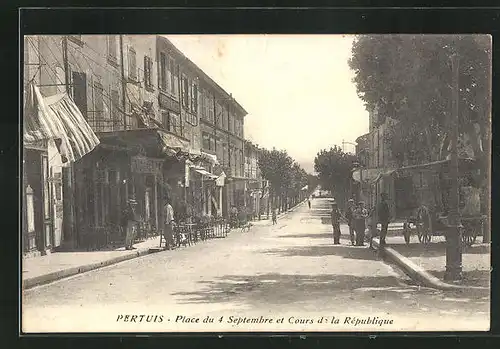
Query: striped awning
x=57, y=117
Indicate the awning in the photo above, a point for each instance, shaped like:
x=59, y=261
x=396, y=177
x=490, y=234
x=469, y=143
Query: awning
x=212, y=159
x=206, y=173
x=172, y=142
x=57, y=117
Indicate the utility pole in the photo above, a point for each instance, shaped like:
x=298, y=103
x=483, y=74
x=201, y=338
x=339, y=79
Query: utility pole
x=453, y=236
x=68, y=172
x=124, y=85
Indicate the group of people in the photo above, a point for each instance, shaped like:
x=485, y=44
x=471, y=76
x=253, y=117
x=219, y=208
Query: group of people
x=358, y=218
x=131, y=219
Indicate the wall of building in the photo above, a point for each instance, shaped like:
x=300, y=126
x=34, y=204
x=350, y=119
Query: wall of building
x=141, y=75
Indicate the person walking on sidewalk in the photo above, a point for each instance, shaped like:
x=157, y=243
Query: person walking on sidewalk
x=335, y=217
x=168, y=232
x=383, y=217
x=275, y=221
x=130, y=221
x=349, y=218
x=360, y=215
x=309, y=203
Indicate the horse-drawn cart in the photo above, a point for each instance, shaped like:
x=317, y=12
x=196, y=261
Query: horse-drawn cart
x=429, y=217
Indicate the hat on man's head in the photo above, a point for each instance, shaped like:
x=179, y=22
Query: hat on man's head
x=361, y=202
x=350, y=200
x=131, y=199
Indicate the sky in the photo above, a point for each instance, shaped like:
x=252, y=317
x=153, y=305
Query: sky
x=297, y=89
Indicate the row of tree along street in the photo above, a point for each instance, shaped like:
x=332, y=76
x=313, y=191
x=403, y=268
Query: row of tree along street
x=289, y=183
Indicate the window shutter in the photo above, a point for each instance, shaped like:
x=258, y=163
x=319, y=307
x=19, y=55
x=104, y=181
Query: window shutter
x=80, y=92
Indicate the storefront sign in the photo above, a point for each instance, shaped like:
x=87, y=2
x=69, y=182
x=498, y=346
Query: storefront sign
x=142, y=164
x=168, y=103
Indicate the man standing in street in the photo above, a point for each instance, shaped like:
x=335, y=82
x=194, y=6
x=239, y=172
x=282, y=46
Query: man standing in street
x=335, y=216
x=169, y=229
x=130, y=221
x=349, y=218
x=309, y=202
x=360, y=215
x=383, y=218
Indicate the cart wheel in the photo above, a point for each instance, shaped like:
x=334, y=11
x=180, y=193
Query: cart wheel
x=406, y=233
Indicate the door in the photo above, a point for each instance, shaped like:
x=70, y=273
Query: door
x=48, y=238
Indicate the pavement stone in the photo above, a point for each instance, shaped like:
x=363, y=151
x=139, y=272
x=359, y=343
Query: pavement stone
x=58, y=265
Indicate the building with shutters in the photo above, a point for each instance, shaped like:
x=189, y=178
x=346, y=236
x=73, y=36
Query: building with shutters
x=145, y=101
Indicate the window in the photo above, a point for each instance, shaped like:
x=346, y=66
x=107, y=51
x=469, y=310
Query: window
x=194, y=98
x=80, y=92
x=98, y=101
x=203, y=109
x=132, y=64
x=174, y=78
x=219, y=115
x=112, y=47
x=225, y=119
x=163, y=71
x=169, y=77
x=148, y=72
x=206, y=141
x=185, y=91
x=210, y=107
x=115, y=104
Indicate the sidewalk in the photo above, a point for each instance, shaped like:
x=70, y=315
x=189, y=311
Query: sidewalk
x=427, y=263
x=58, y=265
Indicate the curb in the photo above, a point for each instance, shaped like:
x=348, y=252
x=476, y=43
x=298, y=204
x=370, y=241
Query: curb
x=419, y=274
x=65, y=273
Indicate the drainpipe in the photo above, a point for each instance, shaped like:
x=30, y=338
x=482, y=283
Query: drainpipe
x=124, y=84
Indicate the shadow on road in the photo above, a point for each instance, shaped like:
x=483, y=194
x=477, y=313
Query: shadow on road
x=278, y=289
x=273, y=289
x=325, y=250
x=313, y=236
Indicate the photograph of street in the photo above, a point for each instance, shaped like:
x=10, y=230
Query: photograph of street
x=267, y=183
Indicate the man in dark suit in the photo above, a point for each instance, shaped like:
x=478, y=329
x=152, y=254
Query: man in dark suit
x=383, y=213
x=335, y=216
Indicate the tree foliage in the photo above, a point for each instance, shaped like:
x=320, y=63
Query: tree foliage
x=285, y=176
x=334, y=171
x=408, y=78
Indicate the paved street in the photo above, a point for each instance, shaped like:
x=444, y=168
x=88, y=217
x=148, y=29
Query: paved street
x=290, y=270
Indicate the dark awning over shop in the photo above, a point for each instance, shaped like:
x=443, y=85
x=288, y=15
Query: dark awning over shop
x=151, y=141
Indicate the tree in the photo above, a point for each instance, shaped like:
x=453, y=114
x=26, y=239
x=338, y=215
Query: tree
x=275, y=166
x=334, y=172
x=286, y=177
x=407, y=78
